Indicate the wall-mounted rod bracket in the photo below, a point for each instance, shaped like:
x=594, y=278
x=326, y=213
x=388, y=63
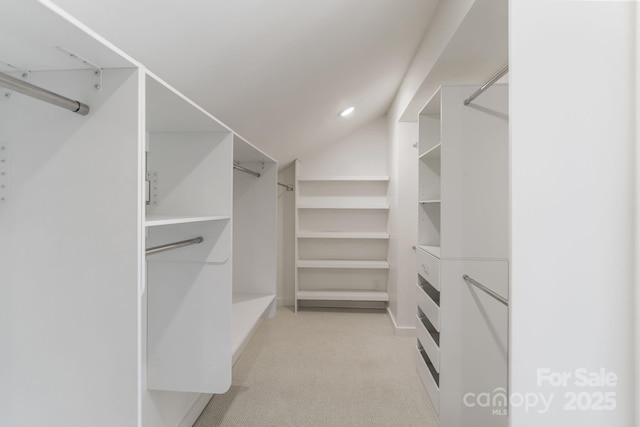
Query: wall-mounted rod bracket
x=34, y=91
x=175, y=245
x=504, y=70
x=24, y=73
x=97, y=71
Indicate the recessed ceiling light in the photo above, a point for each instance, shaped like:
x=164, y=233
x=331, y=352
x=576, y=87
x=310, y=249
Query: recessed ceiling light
x=347, y=111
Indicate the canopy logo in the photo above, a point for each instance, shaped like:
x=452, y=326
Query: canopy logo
x=498, y=401
x=578, y=390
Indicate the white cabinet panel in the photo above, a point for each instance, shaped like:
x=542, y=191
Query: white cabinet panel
x=474, y=350
x=475, y=174
x=189, y=327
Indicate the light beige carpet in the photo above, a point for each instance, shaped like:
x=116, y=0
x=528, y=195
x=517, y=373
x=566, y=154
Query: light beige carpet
x=324, y=368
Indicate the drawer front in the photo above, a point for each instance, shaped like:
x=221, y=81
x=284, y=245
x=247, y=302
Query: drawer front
x=428, y=267
x=428, y=343
x=433, y=391
x=428, y=307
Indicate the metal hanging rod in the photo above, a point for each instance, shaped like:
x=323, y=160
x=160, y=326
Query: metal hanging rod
x=245, y=170
x=504, y=70
x=42, y=94
x=288, y=187
x=484, y=288
x=175, y=245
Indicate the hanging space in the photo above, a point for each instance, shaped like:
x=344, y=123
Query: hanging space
x=254, y=241
x=188, y=241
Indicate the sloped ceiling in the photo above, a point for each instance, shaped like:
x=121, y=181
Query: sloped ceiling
x=276, y=71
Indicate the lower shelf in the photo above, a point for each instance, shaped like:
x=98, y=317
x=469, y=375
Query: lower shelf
x=247, y=310
x=343, y=295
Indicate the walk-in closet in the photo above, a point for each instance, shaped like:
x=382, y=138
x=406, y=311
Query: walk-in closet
x=342, y=213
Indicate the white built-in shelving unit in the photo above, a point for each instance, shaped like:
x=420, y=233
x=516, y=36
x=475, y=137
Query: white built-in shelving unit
x=463, y=230
x=341, y=239
x=125, y=338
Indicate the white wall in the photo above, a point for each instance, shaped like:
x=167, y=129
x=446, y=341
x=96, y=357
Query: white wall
x=286, y=238
x=637, y=271
x=403, y=221
x=445, y=22
x=572, y=74
x=403, y=163
x=364, y=152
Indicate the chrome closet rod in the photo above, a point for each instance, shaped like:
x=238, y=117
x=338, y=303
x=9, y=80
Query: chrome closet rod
x=245, y=170
x=34, y=91
x=288, y=187
x=484, y=288
x=488, y=84
x=175, y=245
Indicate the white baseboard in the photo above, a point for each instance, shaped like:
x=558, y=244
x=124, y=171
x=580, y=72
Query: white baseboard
x=196, y=409
x=400, y=331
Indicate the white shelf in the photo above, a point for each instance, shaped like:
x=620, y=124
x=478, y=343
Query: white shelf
x=433, y=250
x=381, y=265
x=156, y=220
x=343, y=295
x=344, y=178
x=424, y=202
x=432, y=153
x=341, y=235
x=340, y=203
x=246, y=312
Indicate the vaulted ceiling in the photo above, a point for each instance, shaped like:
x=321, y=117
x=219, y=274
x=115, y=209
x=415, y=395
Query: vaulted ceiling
x=276, y=71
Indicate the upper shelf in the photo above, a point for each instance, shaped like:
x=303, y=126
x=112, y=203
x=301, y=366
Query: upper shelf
x=343, y=178
x=157, y=220
x=343, y=264
x=245, y=152
x=167, y=110
x=46, y=44
x=340, y=203
x=342, y=235
x=432, y=153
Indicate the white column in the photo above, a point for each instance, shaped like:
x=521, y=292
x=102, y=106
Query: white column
x=572, y=112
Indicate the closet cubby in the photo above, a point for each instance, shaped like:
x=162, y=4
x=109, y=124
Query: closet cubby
x=254, y=241
x=429, y=176
x=341, y=239
x=152, y=335
x=188, y=166
x=429, y=134
x=188, y=160
x=462, y=229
